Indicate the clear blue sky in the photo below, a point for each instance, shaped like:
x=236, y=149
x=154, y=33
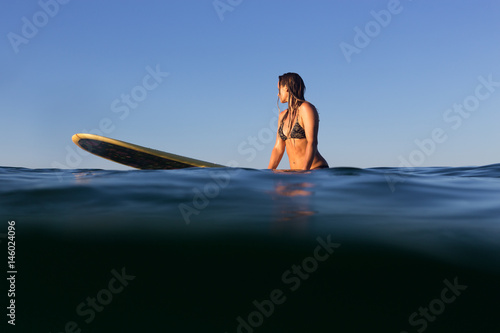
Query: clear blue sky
x=379, y=82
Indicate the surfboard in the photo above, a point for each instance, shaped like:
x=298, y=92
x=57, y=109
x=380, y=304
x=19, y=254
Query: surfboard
x=134, y=155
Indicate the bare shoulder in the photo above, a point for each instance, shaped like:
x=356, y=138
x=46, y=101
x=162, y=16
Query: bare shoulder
x=306, y=109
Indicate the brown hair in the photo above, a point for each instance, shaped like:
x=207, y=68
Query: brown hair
x=296, y=90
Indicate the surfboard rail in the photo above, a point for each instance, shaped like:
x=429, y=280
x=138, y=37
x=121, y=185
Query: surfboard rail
x=134, y=155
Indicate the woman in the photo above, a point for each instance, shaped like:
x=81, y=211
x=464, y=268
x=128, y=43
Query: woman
x=297, y=127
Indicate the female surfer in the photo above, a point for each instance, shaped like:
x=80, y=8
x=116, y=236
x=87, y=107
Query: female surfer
x=297, y=127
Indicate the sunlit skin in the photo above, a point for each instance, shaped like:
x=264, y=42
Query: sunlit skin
x=303, y=154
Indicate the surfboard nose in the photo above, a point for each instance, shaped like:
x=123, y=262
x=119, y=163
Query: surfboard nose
x=75, y=138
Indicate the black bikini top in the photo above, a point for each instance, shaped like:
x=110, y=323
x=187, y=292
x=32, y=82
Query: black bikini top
x=297, y=131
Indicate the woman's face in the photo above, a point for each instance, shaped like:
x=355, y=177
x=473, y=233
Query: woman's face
x=283, y=93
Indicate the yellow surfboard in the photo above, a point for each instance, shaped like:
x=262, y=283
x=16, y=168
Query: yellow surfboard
x=136, y=156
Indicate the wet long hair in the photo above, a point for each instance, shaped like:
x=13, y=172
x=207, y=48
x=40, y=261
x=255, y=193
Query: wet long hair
x=296, y=91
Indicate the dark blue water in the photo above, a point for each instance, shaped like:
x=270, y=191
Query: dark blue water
x=243, y=250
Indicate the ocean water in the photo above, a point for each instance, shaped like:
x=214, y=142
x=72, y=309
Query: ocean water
x=245, y=250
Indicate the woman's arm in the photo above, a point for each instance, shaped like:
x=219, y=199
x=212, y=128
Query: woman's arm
x=278, y=149
x=310, y=119
x=276, y=156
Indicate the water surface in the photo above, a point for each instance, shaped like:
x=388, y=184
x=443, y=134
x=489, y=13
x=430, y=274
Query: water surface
x=205, y=244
